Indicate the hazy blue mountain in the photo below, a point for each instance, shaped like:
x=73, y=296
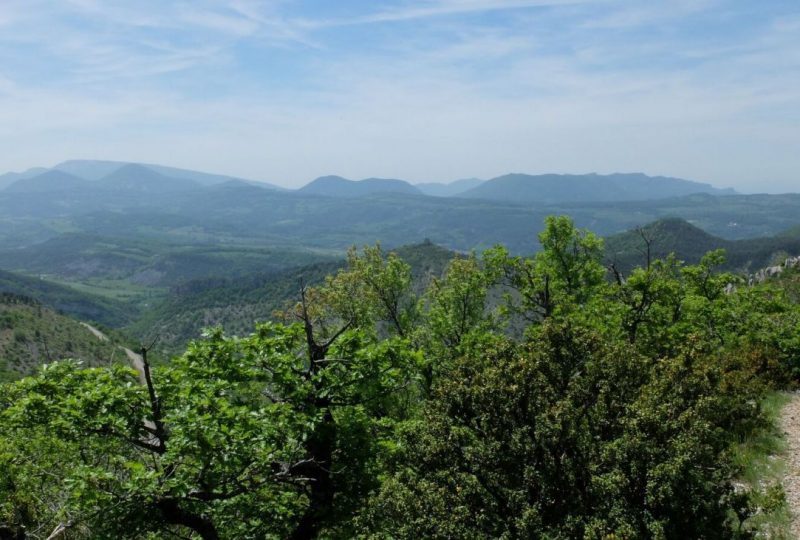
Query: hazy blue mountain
x=451, y=189
x=559, y=188
x=99, y=169
x=134, y=201
x=9, y=178
x=246, y=214
x=49, y=182
x=206, y=179
x=89, y=169
x=133, y=177
x=336, y=186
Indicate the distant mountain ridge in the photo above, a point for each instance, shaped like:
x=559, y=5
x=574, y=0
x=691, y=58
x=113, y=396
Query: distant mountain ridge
x=515, y=188
x=525, y=188
x=52, y=181
x=135, y=177
x=560, y=188
x=451, y=189
x=336, y=186
x=10, y=177
x=97, y=171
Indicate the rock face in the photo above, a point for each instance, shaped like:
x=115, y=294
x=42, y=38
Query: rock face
x=773, y=271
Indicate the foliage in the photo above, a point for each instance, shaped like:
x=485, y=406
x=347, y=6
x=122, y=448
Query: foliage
x=511, y=397
x=88, y=307
x=565, y=437
x=32, y=334
x=236, y=304
x=689, y=243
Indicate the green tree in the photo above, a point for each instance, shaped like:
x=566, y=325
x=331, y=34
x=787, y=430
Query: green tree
x=238, y=438
x=568, y=436
x=565, y=274
x=518, y=397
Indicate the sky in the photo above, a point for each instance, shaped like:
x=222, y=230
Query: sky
x=428, y=90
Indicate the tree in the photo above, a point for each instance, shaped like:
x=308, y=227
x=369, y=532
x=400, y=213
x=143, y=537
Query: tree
x=584, y=408
x=565, y=274
x=235, y=446
x=567, y=436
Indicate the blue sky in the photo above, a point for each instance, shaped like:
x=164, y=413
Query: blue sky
x=430, y=90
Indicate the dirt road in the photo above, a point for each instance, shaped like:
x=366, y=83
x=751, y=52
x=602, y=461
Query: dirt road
x=134, y=358
x=790, y=424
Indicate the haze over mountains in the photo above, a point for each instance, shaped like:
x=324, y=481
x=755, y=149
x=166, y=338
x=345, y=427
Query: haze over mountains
x=336, y=186
x=556, y=188
x=99, y=171
x=516, y=187
x=133, y=200
x=144, y=246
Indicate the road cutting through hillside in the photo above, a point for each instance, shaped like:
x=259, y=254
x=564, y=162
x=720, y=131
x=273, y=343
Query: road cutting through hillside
x=134, y=358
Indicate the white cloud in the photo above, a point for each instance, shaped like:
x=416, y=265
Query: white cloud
x=456, y=98
x=437, y=8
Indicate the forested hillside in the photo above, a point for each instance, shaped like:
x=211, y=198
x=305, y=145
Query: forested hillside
x=78, y=304
x=379, y=406
x=137, y=261
x=689, y=243
x=236, y=304
x=32, y=335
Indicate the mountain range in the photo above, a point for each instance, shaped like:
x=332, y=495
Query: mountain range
x=524, y=188
x=100, y=172
x=82, y=175
x=559, y=188
x=143, y=203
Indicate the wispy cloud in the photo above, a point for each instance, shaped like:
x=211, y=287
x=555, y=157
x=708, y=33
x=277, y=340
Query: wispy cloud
x=434, y=89
x=634, y=14
x=437, y=8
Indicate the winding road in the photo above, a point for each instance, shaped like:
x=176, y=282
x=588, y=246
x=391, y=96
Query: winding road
x=134, y=358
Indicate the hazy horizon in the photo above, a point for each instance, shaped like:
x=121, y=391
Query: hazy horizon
x=420, y=182
x=425, y=91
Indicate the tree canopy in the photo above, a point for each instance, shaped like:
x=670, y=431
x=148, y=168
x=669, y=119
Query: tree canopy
x=509, y=397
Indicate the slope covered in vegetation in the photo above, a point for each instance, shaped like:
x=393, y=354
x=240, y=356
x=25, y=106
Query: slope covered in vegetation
x=32, y=335
x=377, y=409
x=236, y=304
x=81, y=305
x=689, y=243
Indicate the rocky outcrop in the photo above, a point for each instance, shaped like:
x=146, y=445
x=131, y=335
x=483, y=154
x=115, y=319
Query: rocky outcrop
x=774, y=271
